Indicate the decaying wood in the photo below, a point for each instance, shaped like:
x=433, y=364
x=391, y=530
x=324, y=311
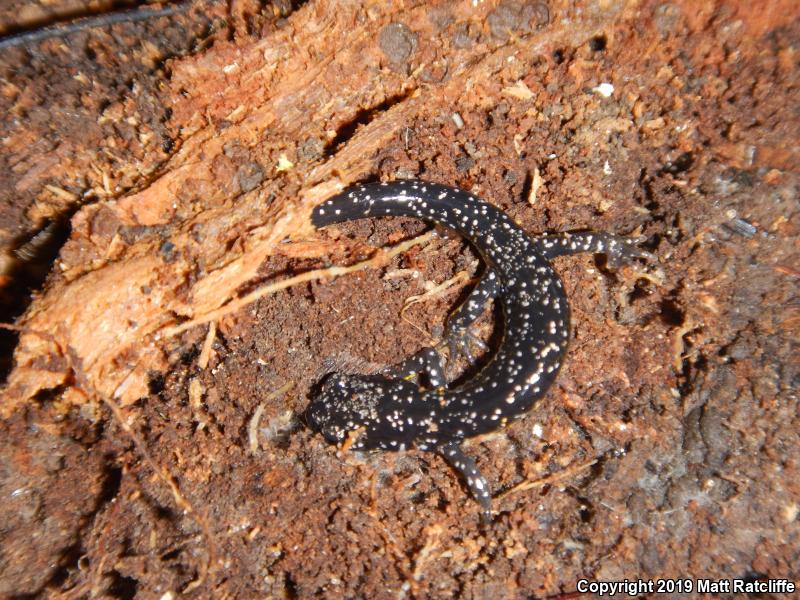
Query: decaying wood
x=183, y=244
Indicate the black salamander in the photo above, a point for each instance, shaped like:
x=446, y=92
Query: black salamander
x=392, y=410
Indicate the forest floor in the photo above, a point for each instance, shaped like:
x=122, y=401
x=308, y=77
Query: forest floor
x=154, y=173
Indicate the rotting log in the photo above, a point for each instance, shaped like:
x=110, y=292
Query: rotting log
x=239, y=184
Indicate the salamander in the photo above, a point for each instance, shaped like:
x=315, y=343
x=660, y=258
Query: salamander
x=395, y=409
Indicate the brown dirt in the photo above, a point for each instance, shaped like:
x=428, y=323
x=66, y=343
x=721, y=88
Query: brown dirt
x=668, y=446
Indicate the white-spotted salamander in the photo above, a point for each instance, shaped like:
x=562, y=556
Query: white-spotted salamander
x=391, y=410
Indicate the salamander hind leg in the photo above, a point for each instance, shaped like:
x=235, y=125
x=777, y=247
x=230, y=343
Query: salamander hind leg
x=476, y=482
x=459, y=336
x=619, y=250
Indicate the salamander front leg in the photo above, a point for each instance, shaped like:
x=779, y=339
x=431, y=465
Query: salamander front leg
x=619, y=250
x=427, y=362
x=459, y=336
x=477, y=484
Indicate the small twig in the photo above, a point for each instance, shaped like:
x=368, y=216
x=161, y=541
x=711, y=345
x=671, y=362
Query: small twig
x=678, y=344
x=536, y=183
x=565, y=596
x=548, y=480
x=352, y=438
x=438, y=291
x=252, y=429
x=433, y=534
x=205, y=353
x=381, y=258
x=64, y=29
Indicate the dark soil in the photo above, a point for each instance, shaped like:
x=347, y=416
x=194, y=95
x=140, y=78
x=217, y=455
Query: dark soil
x=666, y=449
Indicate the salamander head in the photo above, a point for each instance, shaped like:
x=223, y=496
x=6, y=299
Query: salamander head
x=349, y=403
